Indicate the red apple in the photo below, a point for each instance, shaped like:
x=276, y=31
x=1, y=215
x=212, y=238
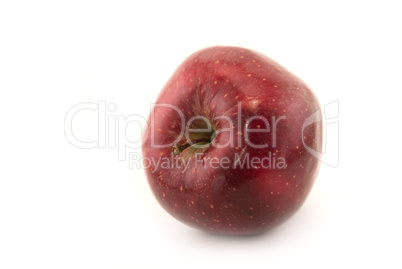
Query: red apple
x=227, y=148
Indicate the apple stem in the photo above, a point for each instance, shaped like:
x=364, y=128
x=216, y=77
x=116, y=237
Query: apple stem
x=178, y=148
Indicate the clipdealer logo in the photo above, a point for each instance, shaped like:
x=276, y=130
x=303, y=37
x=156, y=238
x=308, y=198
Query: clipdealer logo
x=112, y=133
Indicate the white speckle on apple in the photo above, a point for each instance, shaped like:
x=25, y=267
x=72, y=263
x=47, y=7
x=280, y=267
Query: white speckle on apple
x=249, y=75
x=275, y=86
x=216, y=62
x=215, y=82
x=211, y=205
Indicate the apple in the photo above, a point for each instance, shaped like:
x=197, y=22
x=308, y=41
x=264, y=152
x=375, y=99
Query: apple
x=228, y=144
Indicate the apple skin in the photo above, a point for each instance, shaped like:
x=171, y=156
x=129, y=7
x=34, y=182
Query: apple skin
x=233, y=200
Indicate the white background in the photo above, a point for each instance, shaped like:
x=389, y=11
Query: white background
x=65, y=207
